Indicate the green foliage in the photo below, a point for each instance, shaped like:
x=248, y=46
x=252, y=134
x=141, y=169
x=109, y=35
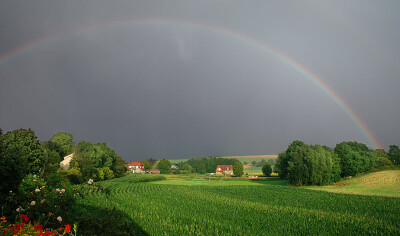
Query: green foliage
x=281, y=165
x=164, y=166
x=147, y=164
x=267, y=169
x=62, y=143
x=308, y=165
x=245, y=163
x=354, y=158
x=74, y=176
x=238, y=169
x=51, y=161
x=20, y=154
x=184, y=168
x=209, y=163
x=91, y=159
x=394, y=154
x=382, y=159
x=104, y=173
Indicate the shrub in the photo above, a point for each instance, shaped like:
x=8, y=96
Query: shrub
x=267, y=169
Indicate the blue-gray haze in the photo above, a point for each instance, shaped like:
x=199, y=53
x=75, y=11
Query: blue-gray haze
x=187, y=87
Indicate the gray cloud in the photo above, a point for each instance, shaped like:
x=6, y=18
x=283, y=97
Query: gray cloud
x=176, y=90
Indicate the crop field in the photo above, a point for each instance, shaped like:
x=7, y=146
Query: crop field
x=197, y=206
x=383, y=183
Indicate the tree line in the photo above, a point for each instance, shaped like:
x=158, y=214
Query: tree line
x=21, y=153
x=304, y=164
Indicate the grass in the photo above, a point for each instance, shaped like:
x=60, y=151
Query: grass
x=382, y=183
x=192, y=205
x=253, y=170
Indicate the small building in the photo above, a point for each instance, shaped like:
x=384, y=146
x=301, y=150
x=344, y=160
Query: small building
x=64, y=165
x=153, y=171
x=224, y=170
x=136, y=167
x=173, y=166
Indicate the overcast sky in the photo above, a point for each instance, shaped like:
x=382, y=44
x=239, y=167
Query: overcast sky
x=175, y=79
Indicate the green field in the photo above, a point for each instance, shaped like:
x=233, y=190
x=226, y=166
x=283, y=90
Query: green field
x=194, y=205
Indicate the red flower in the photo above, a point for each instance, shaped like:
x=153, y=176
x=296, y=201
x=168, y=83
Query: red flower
x=67, y=228
x=24, y=217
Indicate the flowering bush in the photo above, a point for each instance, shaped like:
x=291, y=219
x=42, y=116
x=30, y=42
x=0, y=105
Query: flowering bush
x=28, y=228
x=46, y=203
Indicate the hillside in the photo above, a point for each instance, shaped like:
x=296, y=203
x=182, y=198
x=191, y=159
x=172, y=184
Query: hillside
x=382, y=183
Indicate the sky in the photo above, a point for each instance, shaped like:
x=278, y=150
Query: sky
x=182, y=79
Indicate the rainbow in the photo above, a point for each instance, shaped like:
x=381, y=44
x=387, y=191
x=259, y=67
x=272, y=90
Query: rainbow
x=312, y=77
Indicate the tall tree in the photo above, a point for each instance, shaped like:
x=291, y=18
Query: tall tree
x=164, y=166
x=394, y=154
x=238, y=169
x=20, y=154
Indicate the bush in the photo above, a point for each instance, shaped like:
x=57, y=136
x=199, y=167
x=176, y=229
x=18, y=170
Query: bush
x=267, y=169
x=44, y=202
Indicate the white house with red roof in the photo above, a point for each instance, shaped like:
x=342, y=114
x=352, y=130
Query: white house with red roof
x=224, y=170
x=136, y=167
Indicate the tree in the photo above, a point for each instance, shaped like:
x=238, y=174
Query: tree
x=20, y=154
x=238, y=169
x=354, y=158
x=88, y=157
x=201, y=168
x=245, y=163
x=253, y=163
x=267, y=169
x=394, y=154
x=382, y=159
x=147, y=164
x=51, y=160
x=305, y=164
x=62, y=143
x=164, y=166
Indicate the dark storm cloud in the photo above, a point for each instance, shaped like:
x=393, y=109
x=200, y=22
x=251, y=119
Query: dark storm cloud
x=174, y=90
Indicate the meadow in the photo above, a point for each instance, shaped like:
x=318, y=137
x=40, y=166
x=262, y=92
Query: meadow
x=195, y=205
x=382, y=183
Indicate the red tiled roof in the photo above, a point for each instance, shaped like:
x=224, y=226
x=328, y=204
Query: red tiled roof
x=135, y=164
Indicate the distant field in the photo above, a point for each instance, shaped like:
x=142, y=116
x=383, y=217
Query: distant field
x=192, y=205
x=383, y=183
x=253, y=170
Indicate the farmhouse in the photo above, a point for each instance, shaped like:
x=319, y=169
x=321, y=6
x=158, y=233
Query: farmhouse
x=136, y=167
x=224, y=170
x=64, y=165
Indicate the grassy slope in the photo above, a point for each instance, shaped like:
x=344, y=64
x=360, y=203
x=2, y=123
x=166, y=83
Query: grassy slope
x=382, y=183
